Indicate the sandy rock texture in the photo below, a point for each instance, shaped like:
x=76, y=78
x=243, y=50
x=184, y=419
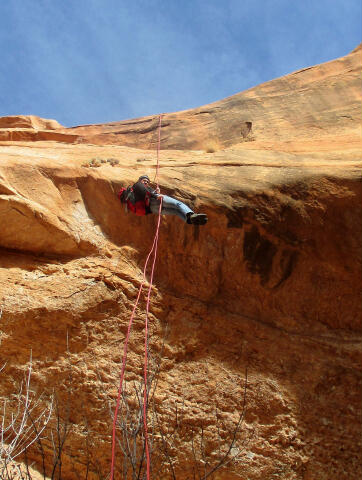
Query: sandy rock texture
x=271, y=285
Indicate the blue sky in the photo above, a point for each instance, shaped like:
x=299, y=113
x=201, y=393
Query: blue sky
x=97, y=61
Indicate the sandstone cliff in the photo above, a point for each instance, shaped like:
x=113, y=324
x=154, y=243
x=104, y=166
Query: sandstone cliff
x=272, y=283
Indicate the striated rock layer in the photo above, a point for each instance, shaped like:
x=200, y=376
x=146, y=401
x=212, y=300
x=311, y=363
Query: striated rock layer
x=271, y=284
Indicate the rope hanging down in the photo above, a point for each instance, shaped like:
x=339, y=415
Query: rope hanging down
x=125, y=347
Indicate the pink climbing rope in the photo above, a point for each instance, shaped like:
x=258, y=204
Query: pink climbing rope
x=154, y=247
x=158, y=149
x=125, y=347
x=145, y=392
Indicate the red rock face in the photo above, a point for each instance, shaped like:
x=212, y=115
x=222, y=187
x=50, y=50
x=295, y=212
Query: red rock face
x=272, y=283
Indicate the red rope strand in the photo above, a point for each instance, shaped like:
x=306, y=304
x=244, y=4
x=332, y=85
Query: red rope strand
x=125, y=347
x=158, y=149
x=145, y=391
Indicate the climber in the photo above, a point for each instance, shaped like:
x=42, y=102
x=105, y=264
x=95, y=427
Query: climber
x=141, y=199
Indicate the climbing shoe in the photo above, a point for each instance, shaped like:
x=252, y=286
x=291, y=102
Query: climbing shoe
x=197, y=219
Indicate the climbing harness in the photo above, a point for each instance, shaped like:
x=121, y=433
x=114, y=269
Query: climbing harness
x=125, y=347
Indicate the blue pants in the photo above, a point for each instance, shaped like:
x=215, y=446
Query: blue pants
x=170, y=206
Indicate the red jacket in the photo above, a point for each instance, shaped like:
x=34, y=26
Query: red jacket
x=137, y=198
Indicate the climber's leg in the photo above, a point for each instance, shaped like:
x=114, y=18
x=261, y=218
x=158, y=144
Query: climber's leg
x=170, y=206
